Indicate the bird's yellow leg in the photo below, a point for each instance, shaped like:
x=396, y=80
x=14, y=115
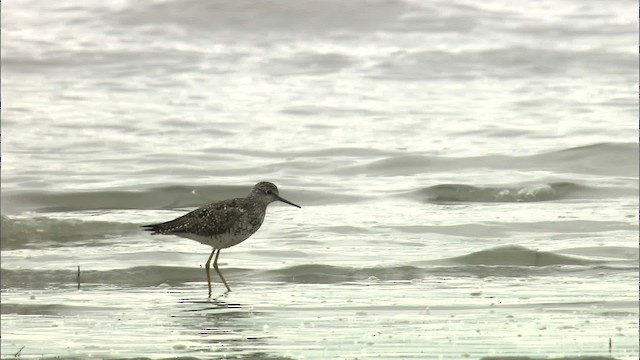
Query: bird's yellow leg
x=207, y=267
x=215, y=266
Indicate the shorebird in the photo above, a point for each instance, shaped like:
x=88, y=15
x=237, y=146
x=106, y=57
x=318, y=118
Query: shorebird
x=223, y=224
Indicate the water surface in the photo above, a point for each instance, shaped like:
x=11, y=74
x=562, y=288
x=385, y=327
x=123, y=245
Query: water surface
x=468, y=176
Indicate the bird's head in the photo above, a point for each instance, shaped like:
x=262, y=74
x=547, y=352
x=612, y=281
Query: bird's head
x=269, y=192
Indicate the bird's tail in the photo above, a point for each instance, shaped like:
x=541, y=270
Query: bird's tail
x=153, y=228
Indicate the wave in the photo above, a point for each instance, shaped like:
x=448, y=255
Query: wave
x=580, y=357
x=287, y=16
x=188, y=197
x=43, y=232
x=512, y=61
x=519, y=256
x=505, y=261
x=493, y=229
x=608, y=158
x=155, y=198
x=514, y=193
x=164, y=197
x=619, y=159
x=602, y=159
x=50, y=309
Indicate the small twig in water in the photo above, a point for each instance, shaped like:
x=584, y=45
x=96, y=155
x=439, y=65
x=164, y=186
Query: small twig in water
x=19, y=351
x=78, y=277
x=610, y=346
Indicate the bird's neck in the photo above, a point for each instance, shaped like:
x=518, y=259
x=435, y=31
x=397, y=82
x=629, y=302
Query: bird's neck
x=258, y=200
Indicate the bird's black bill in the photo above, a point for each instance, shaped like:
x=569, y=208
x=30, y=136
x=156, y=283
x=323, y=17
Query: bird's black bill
x=288, y=202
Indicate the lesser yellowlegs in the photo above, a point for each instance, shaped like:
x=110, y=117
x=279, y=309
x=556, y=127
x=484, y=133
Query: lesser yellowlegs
x=223, y=224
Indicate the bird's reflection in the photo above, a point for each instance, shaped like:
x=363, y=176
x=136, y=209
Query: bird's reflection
x=214, y=307
x=220, y=325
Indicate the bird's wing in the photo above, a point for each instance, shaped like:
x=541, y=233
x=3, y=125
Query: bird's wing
x=213, y=219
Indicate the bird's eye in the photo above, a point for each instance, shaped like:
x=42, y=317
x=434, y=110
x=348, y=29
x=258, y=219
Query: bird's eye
x=269, y=192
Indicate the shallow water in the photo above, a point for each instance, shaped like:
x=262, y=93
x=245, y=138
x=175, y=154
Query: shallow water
x=468, y=175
